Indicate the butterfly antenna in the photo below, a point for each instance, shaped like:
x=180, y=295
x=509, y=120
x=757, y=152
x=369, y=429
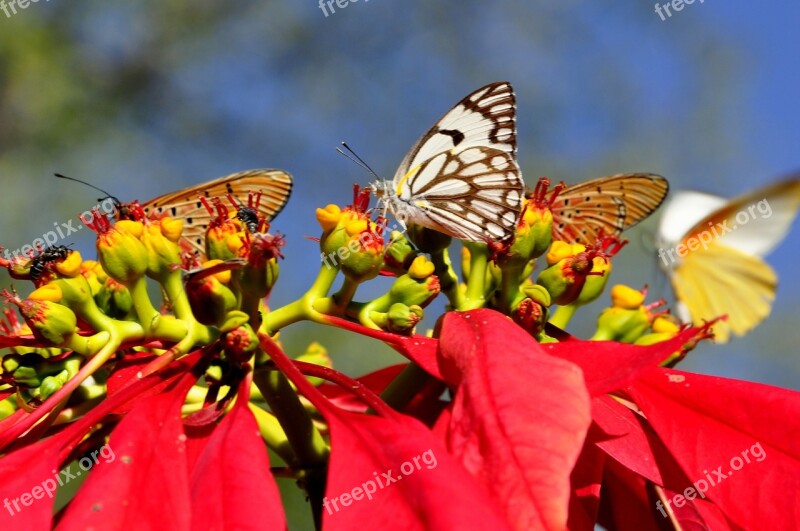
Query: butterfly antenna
x=60, y=176
x=356, y=159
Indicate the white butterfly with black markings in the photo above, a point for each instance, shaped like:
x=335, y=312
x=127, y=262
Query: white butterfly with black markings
x=461, y=178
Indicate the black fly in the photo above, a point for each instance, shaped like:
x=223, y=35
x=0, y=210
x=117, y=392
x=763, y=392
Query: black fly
x=51, y=254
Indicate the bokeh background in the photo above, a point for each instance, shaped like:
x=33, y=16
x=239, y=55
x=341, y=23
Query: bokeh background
x=145, y=98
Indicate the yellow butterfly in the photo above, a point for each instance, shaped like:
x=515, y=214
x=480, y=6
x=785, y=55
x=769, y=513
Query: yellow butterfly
x=711, y=249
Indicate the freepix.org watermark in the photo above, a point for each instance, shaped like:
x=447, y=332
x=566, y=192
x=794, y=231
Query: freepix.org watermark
x=48, y=486
x=713, y=478
x=10, y=7
x=61, y=232
x=371, y=486
x=703, y=239
x=331, y=5
x=368, y=238
x=676, y=5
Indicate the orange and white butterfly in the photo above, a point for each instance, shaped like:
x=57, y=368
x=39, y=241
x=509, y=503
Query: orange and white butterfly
x=461, y=178
x=711, y=249
x=608, y=205
x=274, y=187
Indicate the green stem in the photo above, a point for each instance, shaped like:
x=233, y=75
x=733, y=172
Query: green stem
x=476, y=282
x=195, y=332
x=302, y=308
x=510, y=279
x=448, y=280
x=309, y=448
x=273, y=434
x=345, y=294
x=146, y=313
x=562, y=315
x=400, y=391
x=285, y=404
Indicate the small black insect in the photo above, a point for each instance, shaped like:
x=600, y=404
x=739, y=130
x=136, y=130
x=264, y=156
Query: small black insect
x=51, y=254
x=248, y=216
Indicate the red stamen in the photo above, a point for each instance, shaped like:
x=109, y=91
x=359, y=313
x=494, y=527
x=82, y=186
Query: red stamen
x=99, y=222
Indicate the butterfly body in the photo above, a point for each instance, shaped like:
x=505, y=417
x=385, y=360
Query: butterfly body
x=461, y=178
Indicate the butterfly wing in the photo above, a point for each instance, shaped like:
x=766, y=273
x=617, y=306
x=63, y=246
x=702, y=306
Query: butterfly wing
x=611, y=204
x=722, y=280
x=275, y=186
x=485, y=118
x=461, y=178
x=754, y=223
x=715, y=265
x=472, y=194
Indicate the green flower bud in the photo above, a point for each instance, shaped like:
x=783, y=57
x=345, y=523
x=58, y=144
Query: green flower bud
x=51, y=384
x=533, y=235
x=210, y=299
x=51, y=323
x=417, y=287
x=351, y=242
x=531, y=315
x=572, y=264
x=400, y=252
x=400, y=319
x=240, y=343
x=595, y=283
x=261, y=272
x=121, y=253
x=619, y=324
x=114, y=299
x=318, y=355
x=628, y=319
x=161, y=238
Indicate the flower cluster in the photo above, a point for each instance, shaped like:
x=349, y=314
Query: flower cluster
x=540, y=430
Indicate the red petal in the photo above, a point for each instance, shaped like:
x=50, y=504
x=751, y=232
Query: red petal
x=519, y=415
x=233, y=474
x=432, y=490
x=420, y=349
x=625, y=438
x=25, y=473
x=586, y=479
x=608, y=365
x=374, y=381
x=147, y=481
x=364, y=447
x=714, y=425
x=626, y=503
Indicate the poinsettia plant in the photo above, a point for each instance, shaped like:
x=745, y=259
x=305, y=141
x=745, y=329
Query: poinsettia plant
x=499, y=420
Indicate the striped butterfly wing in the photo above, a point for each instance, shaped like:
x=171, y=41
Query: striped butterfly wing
x=608, y=204
x=473, y=194
x=275, y=187
x=461, y=178
x=486, y=118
